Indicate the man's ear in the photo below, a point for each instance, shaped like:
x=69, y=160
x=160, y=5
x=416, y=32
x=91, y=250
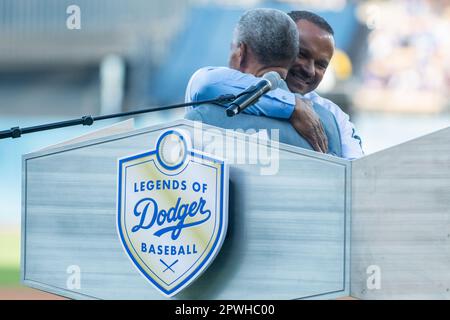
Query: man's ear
x=235, y=56
x=243, y=55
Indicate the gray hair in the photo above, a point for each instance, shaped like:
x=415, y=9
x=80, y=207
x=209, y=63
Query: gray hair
x=271, y=34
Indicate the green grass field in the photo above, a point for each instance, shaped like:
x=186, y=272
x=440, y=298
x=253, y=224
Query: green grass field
x=9, y=259
x=10, y=287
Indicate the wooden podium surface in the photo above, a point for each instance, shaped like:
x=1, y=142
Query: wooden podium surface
x=288, y=233
x=320, y=228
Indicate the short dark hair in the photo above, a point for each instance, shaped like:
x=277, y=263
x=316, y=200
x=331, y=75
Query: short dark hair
x=313, y=18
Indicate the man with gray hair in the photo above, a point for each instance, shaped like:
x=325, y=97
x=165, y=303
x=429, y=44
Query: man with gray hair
x=264, y=40
x=268, y=37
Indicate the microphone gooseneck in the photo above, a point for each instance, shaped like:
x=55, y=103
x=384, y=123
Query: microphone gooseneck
x=270, y=81
x=17, y=132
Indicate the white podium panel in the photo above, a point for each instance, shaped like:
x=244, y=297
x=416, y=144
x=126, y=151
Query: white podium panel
x=288, y=233
x=401, y=221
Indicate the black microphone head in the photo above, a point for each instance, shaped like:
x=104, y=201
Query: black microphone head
x=273, y=78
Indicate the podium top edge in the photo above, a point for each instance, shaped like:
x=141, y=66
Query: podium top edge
x=177, y=123
x=394, y=147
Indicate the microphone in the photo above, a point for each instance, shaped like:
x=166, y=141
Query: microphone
x=250, y=95
x=17, y=132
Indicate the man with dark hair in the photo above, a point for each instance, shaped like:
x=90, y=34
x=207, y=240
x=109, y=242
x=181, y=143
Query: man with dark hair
x=313, y=18
x=316, y=50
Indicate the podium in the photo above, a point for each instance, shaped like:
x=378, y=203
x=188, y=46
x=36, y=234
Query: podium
x=311, y=230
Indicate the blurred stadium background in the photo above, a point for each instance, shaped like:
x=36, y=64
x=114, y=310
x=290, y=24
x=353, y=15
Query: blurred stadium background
x=391, y=71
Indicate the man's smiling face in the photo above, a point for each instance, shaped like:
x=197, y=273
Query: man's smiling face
x=316, y=51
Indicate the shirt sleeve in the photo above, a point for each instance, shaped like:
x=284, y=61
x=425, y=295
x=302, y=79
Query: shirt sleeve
x=351, y=142
x=209, y=83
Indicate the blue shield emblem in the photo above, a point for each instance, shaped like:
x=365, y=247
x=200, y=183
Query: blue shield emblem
x=172, y=211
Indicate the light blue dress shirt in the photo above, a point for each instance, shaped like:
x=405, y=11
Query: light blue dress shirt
x=211, y=82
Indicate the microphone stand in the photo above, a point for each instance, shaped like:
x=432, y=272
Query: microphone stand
x=17, y=132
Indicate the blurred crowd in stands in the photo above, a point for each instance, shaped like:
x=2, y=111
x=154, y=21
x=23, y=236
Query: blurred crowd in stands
x=408, y=56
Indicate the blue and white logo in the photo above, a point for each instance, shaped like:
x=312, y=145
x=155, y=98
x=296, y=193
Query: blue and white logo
x=172, y=211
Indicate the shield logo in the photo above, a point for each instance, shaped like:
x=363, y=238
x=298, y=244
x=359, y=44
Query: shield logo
x=172, y=211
